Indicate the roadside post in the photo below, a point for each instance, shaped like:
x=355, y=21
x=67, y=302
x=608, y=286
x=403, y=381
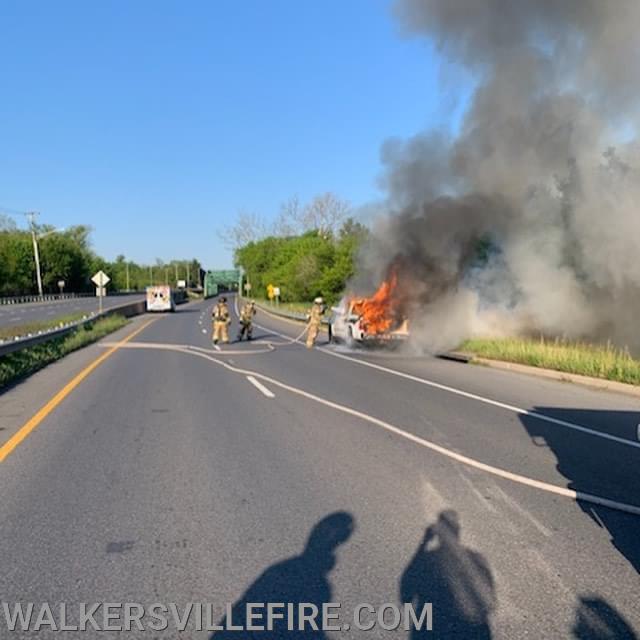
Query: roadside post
x=276, y=295
x=100, y=279
x=61, y=286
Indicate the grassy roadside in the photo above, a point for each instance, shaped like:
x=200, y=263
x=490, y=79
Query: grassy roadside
x=26, y=361
x=10, y=332
x=598, y=361
x=295, y=307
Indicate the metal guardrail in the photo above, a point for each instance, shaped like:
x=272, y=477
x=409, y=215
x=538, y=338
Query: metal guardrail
x=128, y=310
x=48, y=297
x=292, y=315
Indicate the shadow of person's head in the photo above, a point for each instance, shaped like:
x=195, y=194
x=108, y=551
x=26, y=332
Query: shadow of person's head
x=449, y=524
x=596, y=619
x=327, y=535
x=446, y=530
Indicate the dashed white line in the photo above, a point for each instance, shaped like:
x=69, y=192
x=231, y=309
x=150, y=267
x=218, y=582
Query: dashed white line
x=407, y=435
x=260, y=387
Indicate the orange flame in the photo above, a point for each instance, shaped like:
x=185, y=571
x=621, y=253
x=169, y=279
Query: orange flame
x=379, y=312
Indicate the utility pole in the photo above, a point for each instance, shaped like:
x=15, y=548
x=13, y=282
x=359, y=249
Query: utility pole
x=127, y=268
x=176, y=264
x=188, y=275
x=31, y=216
x=166, y=275
x=150, y=276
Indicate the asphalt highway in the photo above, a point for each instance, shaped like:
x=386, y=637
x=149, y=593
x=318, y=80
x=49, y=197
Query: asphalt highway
x=18, y=314
x=176, y=472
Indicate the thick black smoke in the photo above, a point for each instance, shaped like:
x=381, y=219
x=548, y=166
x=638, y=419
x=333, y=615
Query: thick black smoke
x=529, y=218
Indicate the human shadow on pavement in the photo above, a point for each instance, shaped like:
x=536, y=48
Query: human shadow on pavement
x=596, y=619
x=597, y=466
x=300, y=579
x=456, y=580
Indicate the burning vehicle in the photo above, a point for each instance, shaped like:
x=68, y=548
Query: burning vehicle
x=378, y=320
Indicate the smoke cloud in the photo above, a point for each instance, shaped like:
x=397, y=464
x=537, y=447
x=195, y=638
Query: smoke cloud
x=528, y=219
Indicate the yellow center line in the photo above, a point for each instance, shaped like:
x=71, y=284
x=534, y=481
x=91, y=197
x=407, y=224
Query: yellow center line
x=34, y=421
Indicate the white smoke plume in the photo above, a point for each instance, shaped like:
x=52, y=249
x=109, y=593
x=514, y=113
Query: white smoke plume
x=544, y=174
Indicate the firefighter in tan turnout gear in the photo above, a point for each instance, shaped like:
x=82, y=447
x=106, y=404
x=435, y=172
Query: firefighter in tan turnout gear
x=246, y=320
x=221, y=320
x=314, y=318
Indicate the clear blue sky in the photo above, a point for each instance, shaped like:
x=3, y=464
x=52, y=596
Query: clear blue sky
x=156, y=121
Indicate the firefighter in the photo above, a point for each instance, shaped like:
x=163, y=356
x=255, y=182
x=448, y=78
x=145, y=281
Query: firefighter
x=221, y=320
x=246, y=320
x=314, y=319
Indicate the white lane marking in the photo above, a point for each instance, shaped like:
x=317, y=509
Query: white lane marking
x=489, y=401
x=471, y=462
x=482, y=499
x=522, y=511
x=473, y=396
x=433, y=497
x=174, y=346
x=261, y=387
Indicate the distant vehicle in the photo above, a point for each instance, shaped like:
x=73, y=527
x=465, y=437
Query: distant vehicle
x=348, y=325
x=160, y=298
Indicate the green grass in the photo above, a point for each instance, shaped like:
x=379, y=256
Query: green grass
x=26, y=361
x=598, y=361
x=7, y=333
x=296, y=307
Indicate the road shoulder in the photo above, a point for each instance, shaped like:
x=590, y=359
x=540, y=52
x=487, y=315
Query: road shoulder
x=553, y=374
x=20, y=401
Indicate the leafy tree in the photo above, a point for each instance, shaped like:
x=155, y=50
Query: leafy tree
x=17, y=268
x=68, y=256
x=305, y=265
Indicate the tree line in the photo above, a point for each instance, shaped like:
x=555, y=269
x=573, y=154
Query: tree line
x=309, y=250
x=68, y=256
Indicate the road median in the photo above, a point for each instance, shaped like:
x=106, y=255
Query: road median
x=22, y=363
x=24, y=355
